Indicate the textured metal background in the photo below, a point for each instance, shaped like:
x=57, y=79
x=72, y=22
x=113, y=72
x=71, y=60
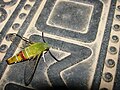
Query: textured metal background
x=84, y=36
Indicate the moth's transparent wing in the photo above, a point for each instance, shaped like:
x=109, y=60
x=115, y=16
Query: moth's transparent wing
x=30, y=69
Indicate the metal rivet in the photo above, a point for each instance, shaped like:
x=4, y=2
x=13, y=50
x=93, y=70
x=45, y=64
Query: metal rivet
x=16, y=26
x=115, y=39
x=118, y=17
x=116, y=27
x=103, y=89
x=27, y=7
x=3, y=14
x=3, y=48
x=118, y=7
x=107, y=77
x=112, y=50
x=22, y=15
x=110, y=63
x=10, y=37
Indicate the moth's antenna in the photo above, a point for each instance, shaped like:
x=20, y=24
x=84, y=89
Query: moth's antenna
x=49, y=50
x=43, y=37
x=23, y=38
x=53, y=56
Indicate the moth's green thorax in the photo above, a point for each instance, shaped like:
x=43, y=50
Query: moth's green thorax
x=35, y=49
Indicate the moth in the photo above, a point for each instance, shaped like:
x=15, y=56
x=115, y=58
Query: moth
x=32, y=53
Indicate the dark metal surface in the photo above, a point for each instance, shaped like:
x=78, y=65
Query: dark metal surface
x=84, y=36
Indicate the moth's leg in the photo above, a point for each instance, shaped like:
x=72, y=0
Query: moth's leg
x=43, y=56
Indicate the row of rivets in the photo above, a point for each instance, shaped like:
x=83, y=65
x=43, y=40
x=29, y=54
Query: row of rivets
x=3, y=16
x=15, y=26
x=110, y=63
x=3, y=13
